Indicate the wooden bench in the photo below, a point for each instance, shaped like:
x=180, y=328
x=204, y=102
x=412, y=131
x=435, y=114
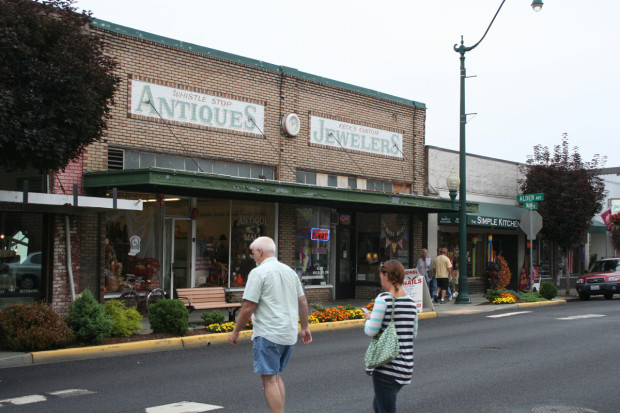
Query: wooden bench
x=209, y=298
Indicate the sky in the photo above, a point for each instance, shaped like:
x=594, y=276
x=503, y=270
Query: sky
x=532, y=79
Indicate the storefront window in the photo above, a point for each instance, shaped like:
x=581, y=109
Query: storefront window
x=250, y=220
x=212, y=241
x=312, y=244
x=381, y=237
x=21, y=258
x=222, y=227
x=133, y=247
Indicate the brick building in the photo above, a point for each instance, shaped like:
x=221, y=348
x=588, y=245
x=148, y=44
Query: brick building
x=207, y=150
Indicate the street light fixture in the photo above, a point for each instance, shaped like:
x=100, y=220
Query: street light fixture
x=463, y=297
x=452, y=182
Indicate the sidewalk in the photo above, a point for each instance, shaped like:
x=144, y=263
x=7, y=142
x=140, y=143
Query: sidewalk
x=450, y=308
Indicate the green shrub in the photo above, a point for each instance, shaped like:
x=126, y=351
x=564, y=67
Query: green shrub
x=125, y=321
x=350, y=307
x=88, y=320
x=548, y=290
x=32, y=327
x=169, y=316
x=212, y=317
x=317, y=306
x=530, y=297
x=492, y=294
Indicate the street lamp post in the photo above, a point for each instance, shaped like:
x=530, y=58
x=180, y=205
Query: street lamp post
x=463, y=297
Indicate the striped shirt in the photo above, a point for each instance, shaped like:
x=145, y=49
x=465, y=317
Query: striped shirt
x=406, y=323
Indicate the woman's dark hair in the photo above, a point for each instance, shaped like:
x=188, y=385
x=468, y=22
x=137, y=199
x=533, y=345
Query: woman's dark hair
x=395, y=272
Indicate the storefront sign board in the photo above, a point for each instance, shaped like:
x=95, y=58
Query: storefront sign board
x=156, y=101
x=478, y=220
x=343, y=135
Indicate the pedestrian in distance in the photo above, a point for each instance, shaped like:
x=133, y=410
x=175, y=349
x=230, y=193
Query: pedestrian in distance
x=425, y=269
x=388, y=379
x=274, y=298
x=433, y=285
x=442, y=268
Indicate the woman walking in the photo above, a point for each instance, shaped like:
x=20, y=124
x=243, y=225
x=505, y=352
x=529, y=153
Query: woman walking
x=389, y=378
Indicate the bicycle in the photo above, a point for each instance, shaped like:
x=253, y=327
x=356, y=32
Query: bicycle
x=137, y=291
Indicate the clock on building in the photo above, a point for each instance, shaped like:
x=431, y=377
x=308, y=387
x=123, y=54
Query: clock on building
x=291, y=124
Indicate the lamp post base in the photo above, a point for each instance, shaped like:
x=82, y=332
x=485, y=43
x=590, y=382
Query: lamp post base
x=463, y=297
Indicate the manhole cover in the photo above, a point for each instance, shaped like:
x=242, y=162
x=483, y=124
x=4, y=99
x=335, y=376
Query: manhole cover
x=562, y=409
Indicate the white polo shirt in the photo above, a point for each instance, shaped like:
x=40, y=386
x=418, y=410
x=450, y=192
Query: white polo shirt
x=275, y=288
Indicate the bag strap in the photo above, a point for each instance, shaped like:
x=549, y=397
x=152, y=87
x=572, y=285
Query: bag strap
x=393, y=304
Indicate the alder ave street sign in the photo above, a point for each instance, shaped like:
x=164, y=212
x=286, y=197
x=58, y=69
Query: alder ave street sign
x=530, y=198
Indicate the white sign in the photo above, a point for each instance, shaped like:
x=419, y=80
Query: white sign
x=180, y=105
x=337, y=134
x=413, y=285
x=134, y=245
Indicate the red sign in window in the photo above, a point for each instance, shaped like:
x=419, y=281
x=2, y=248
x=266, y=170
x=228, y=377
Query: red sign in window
x=319, y=234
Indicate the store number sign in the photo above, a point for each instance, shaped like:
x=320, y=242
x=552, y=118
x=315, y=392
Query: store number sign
x=319, y=234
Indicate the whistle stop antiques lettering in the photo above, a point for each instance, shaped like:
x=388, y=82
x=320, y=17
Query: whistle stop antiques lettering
x=360, y=138
x=152, y=100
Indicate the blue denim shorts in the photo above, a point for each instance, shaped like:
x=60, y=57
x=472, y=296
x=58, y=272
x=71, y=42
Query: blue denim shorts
x=270, y=358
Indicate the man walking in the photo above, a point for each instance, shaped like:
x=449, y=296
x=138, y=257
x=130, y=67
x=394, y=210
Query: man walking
x=274, y=296
x=442, y=267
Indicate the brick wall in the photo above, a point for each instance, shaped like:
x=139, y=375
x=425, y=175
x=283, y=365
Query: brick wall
x=61, y=291
x=280, y=94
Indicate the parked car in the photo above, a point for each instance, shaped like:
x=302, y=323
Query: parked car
x=25, y=275
x=603, y=279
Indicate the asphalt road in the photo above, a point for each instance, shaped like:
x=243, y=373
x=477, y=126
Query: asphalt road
x=547, y=359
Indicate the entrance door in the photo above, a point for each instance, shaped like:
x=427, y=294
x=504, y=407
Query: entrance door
x=177, y=254
x=345, y=264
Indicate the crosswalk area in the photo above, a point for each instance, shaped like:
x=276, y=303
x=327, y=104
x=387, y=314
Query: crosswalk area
x=38, y=398
x=177, y=407
x=574, y=317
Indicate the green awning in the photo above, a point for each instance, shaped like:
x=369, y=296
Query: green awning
x=489, y=215
x=597, y=228
x=200, y=184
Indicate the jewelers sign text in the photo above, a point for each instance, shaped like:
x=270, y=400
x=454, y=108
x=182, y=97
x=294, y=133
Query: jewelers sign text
x=345, y=135
x=180, y=105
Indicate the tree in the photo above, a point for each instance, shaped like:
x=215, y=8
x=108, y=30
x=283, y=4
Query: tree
x=56, y=84
x=574, y=193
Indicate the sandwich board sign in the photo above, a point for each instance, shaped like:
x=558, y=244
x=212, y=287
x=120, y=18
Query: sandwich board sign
x=415, y=285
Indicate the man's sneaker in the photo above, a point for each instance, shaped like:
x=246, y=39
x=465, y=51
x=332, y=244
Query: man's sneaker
x=443, y=301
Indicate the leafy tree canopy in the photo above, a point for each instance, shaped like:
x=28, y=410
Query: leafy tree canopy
x=56, y=84
x=574, y=193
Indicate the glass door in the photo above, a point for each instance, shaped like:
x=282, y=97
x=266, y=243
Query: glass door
x=344, y=263
x=177, y=254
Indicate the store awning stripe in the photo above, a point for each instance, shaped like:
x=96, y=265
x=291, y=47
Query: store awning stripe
x=203, y=184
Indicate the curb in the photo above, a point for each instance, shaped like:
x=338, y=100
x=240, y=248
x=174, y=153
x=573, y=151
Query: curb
x=147, y=346
x=50, y=356
x=542, y=303
x=178, y=343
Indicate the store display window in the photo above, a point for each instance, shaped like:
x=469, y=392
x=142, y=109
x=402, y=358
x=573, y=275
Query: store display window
x=250, y=220
x=224, y=231
x=381, y=237
x=212, y=242
x=133, y=248
x=21, y=258
x=312, y=244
